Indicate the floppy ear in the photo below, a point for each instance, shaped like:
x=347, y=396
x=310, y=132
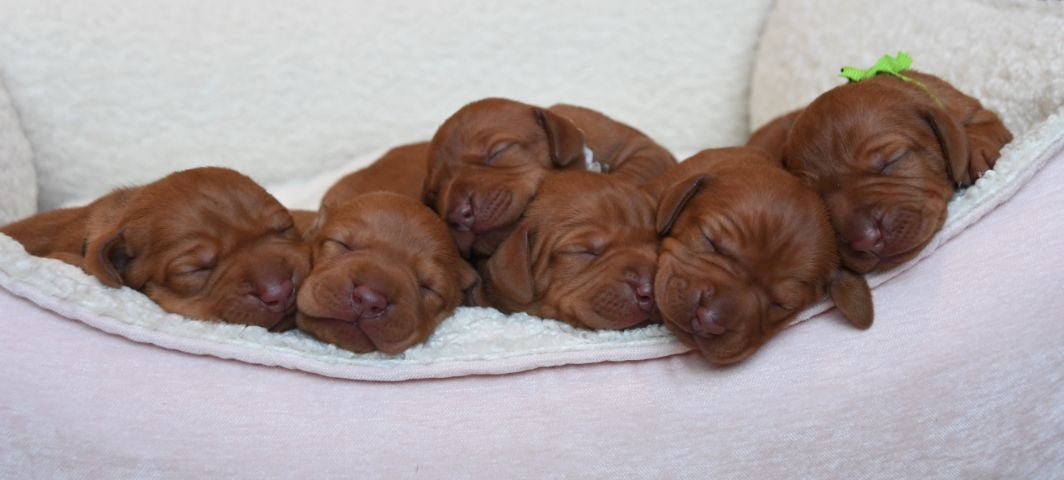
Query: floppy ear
x=508, y=272
x=675, y=198
x=952, y=141
x=565, y=140
x=107, y=258
x=469, y=282
x=852, y=297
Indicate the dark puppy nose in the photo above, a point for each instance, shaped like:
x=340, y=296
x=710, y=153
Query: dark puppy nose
x=462, y=216
x=274, y=293
x=866, y=236
x=644, y=293
x=367, y=302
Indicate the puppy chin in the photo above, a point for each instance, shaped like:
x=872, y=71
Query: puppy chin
x=610, y=309
x=341, y=333
x=863, y=263
x=725, y=349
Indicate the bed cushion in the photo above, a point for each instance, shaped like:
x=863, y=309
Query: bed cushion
x=475, y=340
x=19, y=179
x=937, y=389
x=114, y=93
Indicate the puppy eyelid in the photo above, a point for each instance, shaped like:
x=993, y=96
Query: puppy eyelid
x=496, y=150
x=339, y=243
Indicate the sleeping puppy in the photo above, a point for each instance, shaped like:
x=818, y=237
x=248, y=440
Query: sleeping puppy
x=886, y=155
x=386, y=273
x=745, y=247
x=207, y=243
x=584, y=253
x=486, y=162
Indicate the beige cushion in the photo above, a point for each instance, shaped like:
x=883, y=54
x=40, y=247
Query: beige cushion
x=116, y=93
x=18, y=181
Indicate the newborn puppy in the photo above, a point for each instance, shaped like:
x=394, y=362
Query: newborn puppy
x=207, y=243
x=745, y=247
x=386, y=273
x=487, y=161
x=886, y=155
x=584, y=253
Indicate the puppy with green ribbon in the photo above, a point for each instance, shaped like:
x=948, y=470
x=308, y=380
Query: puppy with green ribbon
x=886, y=151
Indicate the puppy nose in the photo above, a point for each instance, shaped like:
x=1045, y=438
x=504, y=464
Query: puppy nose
x=462, y=216
x=644, y=293
x=367, y=302
x=867, y=237
x=274, y=293
x=709, y=321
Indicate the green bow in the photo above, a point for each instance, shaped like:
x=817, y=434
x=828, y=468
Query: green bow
x=886, y=64
x=891, y=66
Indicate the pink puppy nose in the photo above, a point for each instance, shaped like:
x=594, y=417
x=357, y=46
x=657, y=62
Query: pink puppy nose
x=462, y=216
x=644, y=293
x=867, y=237
x=367, y=302
x=274, y=293
x=708, y=321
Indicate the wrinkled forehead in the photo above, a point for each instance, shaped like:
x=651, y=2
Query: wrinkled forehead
x=605, y=204
x=845, y=120
x=477, y=124
x=772, y=226
x=391, y=222
x=183, y=207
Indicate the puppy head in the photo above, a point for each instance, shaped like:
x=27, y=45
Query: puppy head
x=745, y=247
x=885, y=156
x=487, y=161
x=207, y=243
x=584, y=254
x=385, y=274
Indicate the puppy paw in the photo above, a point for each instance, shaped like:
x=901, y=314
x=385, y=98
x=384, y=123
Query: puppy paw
x=986, y=136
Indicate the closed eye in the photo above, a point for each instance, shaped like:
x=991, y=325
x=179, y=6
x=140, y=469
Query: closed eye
x=496, y=150
x=337, y=244
x=191, y=271
x=893, y=160
x=588, y=252
x=427, y=289
x=713, y=246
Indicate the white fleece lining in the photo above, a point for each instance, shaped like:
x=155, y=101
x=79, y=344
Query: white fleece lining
x=473, y=340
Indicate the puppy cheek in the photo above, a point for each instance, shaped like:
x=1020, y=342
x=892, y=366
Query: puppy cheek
x=196, y=307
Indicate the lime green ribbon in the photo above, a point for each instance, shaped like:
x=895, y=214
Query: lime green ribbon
x=891, y=66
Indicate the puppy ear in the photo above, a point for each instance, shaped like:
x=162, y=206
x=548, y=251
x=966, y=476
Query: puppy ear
x=675, y=198
x=107, y=258
x=469, y=281
x=979, y=131
x=565, y=140
x=951, y=141
x=852, y=297
x=509, y=270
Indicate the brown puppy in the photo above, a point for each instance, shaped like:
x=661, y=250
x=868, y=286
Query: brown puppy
x=886, y=155
x=746, y=247
x=207, y=243
x=486, y=162
x=584, y=253
x=386, y=273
